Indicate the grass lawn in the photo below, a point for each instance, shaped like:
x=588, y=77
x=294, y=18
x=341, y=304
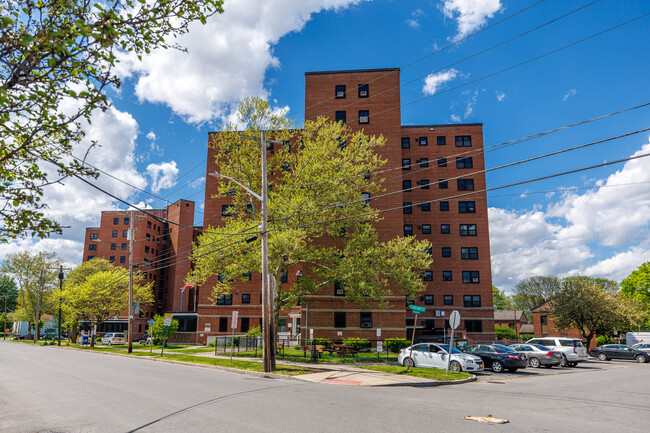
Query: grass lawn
x=326, y=358
x=427, y=373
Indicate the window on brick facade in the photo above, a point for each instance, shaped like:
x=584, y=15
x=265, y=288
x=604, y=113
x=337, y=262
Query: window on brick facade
x=364, y=117
x=466, y=207
x=227, y=210
x=148, y=224
x=443, y=184
x=406, y=143
x=428, y=299
x=338, y=289
x=426, y=229
x=92, y=247
x=94, y=236
x=448, y=300
x=339, y=319
x=471, y=277
x=424, y=162
x=339, y=91
x=247, y=276
x=285, y=277
x=245, y=324
x=465, y=184
x=445, y=229
x=408, y=208
x=122, y=259
x=365, y=196
x=246, y=298
x=91, y=257
x=224, y=300
x=146, y=250
x=114, y=234
x=446, y=275
x=425, y=207
x=424, y=184
x=364, y=90
x=428, y=251
x=422, y=141
x=468, y=229
x=340, y=116
x=126, y=221
x=365, y=320
x=442, y=162
x=123, y=246
x=446, y=251
x=444, y=206
x=408, y=230
x=116, y=221
x=441, y=140
x=113, y=246
x=427, y=275
x=406, y=185
x=473, y=326
x=471, y=301
x=111, y=259
x=125, y=233
x=469, y=253
x=406, y=164
x=464, y=162
x=223, y=324
x=463, y=141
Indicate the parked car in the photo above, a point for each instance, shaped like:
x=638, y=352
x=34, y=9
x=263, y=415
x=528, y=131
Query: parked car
x=498, y=357
x=538, y=355
x=145, y=339
x=572, y=349
x=618, y=351
x=430, y=355
x=642, y=346
x=113, y=338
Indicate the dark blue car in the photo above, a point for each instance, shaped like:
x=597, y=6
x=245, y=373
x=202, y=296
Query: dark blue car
x=498, y=357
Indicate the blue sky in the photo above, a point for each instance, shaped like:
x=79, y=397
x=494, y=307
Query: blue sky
x=155, y=136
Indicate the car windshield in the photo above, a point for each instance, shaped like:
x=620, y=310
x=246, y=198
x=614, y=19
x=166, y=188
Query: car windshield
x=540, y=347
x=501, y=348
x=445, y=347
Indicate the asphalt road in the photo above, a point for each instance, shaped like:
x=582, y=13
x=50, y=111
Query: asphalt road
x=45, y=389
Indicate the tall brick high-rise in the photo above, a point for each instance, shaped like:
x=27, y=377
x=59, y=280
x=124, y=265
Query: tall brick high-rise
x=436, y=168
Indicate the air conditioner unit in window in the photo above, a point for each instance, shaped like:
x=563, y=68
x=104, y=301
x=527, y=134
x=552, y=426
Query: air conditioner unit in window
x=363, y=119
x=340, y=94
x=474, y=280
x=363, y=93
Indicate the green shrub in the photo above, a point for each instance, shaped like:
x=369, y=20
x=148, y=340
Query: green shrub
x=254, y=332
x=297, y=347
x=356, y=343
x=395, y=344
x=504, y=332
x=526, y=337
x=601, y=339
x=321, y=342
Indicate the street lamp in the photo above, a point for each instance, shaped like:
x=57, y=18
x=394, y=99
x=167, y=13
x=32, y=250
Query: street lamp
x=268, y=329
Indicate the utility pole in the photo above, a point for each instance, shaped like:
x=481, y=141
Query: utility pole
x=4, y=329
x=38, y=307
x=131, y=236
x=268, y=348
x=60, y=300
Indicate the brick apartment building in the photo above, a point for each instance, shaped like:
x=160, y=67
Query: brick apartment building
x=156, y=244
x=437, y=164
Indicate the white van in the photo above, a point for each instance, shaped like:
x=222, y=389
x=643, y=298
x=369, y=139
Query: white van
x=113, y=338
x=572, y=349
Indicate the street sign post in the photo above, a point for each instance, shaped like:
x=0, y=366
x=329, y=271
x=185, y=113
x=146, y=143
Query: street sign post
x=233, y=325
x=454, y=321
x=150, y=336
x=416, y=311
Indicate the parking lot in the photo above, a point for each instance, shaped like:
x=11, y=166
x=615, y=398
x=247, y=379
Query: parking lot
x=593, y=365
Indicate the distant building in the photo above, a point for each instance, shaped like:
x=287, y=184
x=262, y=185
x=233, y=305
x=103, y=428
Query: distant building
x=545, y=327
x=439, y=163
x=161, y=253
x=513, y=319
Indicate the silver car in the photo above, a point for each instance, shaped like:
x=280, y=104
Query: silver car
x=642, y=346
x=572, y=349
x=430, y=355
x=113, y=338
x=538, y=355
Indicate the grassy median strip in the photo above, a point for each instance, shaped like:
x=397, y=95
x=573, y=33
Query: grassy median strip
x=325, y=357
x=426, y=373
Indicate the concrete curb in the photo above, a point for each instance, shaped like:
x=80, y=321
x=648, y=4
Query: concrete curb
x=431, y=383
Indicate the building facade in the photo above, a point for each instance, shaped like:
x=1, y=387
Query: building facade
x=162, y=244
x=439, y=194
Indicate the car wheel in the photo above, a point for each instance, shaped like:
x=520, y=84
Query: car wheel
x=640, y=358
x=497, y=367
x=455, y=366
x=409, y=362
x=534, y=362
x=564, y=362
x=109, y=343
x=602, y=357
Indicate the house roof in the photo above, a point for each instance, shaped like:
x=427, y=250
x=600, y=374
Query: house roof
x=509, y=315
x=528, y=328
x=544, y=307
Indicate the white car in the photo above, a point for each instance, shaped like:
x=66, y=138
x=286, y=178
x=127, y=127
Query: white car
x=113, y=338
x=430, y=355
x=572, y=349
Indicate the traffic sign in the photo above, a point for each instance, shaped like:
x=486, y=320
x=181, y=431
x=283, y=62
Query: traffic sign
x=454, y=319
x=378, y=332
x=151, y=323
x=380, y=346
x=233, y=323
x=416, y=309
x=168, y=319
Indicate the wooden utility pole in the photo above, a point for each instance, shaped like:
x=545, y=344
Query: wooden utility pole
x=38, y=306
x=131, y=236
x=268, y=348
x=60, y=300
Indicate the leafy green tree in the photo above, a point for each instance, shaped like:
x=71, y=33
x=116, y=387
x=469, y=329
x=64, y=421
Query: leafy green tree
x=533, y=292
x=318, y=222
x=637, y=285
x=95, y=292
x=158, y=331
x=503, y=332
x=501, y=301
x=63, y=53
x=593, y=306
x=36, y=276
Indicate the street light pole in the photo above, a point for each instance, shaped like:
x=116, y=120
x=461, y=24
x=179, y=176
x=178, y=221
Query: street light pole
x=130, y=329
x=60, y=299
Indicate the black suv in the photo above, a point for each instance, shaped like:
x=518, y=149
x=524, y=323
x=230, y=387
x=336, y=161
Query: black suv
x=618, y=351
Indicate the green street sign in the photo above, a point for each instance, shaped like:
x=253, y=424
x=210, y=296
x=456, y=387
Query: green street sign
x=416, y=309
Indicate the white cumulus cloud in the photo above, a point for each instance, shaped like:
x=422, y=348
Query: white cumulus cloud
x=500, y=96
x=470, y=15
x=433, y=82
x=569, y=94
x=162, y=175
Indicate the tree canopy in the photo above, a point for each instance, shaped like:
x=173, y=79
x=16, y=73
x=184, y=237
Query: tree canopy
x=57, y=58
x=8, y=293
x=638, y=283
x=534, y=291
x=501, y=301
x=319, y=222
